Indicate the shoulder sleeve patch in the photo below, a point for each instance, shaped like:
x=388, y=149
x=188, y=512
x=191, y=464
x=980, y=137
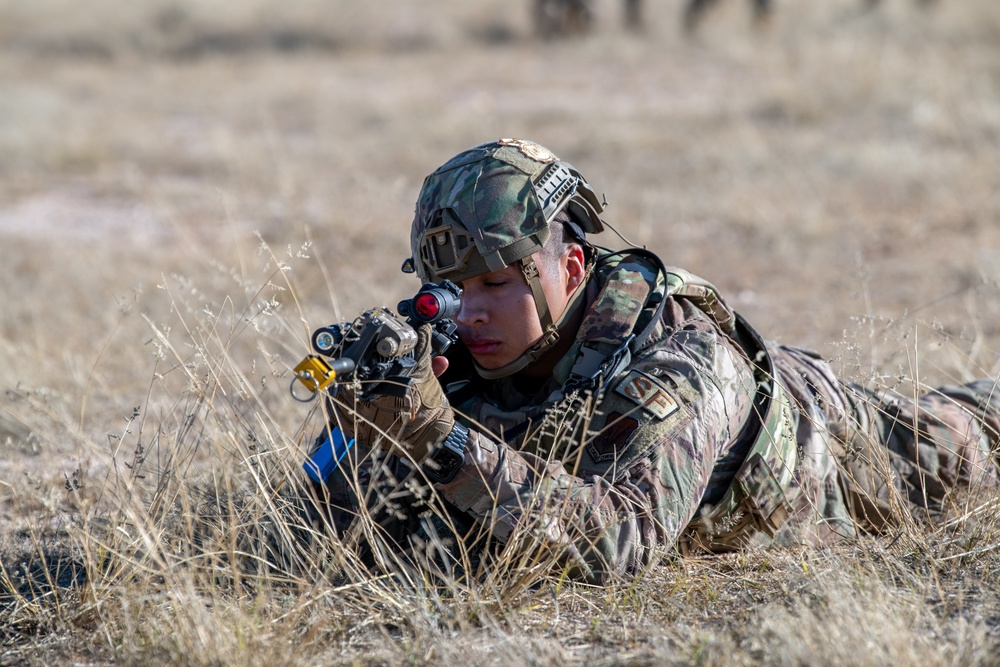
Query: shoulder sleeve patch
x=612, y=440
x=648, y=393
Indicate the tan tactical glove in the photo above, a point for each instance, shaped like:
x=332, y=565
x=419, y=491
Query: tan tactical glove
x=408, y=415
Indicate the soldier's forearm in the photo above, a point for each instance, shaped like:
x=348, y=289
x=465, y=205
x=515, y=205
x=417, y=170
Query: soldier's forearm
x=595, y=527
x=491, y=476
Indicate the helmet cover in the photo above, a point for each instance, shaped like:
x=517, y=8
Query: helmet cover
x=491, y=205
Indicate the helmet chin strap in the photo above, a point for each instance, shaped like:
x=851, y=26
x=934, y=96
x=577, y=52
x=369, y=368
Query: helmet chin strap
x=550, y=329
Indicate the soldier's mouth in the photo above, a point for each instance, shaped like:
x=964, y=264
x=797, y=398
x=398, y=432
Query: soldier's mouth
x=481, y=346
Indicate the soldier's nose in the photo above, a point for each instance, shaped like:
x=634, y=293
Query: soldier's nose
x=471, y=312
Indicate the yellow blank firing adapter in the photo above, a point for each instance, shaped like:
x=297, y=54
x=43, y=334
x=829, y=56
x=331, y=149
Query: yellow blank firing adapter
x=316, y=374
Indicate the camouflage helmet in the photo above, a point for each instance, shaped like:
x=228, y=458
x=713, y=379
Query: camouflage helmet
x=489, y=207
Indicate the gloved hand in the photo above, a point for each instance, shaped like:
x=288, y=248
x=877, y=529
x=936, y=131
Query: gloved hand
x=408, y=415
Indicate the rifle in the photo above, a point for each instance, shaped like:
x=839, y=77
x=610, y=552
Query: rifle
x=375, y=346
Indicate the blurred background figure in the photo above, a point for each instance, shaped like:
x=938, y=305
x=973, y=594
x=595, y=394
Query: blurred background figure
x=555, y=18
x=575, y=17
x=695, y=12
x=633, y=14
x=871, y=4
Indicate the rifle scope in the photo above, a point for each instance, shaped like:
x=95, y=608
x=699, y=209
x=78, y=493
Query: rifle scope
x=433, y=303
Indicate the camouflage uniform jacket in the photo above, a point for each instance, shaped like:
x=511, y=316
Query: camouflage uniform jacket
x=608, y=475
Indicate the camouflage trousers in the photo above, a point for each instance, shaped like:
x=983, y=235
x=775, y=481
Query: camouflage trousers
x=889, y=455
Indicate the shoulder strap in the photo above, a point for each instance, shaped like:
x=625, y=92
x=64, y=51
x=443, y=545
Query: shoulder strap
x=608, y=336
x=702, y=294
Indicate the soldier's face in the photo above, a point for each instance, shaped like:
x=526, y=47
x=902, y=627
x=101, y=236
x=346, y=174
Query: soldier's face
x=498, y=320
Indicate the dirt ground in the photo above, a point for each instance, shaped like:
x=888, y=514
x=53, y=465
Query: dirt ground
x=175, y=173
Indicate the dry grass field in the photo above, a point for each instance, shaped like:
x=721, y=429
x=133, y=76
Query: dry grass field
x=187, y=189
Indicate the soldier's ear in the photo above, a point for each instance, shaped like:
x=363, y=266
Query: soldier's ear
x=574, y=267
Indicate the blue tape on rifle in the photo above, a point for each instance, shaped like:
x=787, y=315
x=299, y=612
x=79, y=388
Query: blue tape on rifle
x=325, y=458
